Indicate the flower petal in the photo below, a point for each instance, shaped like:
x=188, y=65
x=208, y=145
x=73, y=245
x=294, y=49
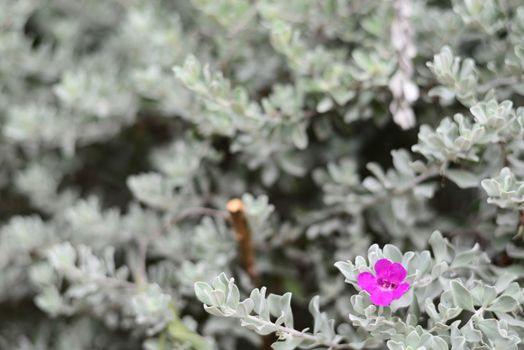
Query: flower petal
x=382, y=267
x=401, y=290
x=367, y=281
x=381, y=298
x=397, y=273
x=390, y=271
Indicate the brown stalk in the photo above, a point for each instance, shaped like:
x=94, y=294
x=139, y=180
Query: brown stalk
x=235, y=207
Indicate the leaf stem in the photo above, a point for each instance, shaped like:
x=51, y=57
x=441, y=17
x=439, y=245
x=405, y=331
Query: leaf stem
x=306, y=336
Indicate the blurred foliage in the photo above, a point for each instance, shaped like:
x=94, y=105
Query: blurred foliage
x=352, y=130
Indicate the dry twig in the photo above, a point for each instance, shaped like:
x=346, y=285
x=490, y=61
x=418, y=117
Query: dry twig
x=235, y=207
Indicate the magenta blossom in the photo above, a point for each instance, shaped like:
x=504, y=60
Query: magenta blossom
x=387, y=285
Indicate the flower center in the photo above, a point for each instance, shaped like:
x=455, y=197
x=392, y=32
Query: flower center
x=386, y=285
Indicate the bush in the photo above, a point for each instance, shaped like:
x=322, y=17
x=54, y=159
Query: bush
x=154, y=150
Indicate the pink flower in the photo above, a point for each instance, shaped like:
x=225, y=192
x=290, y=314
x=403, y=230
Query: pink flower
x=387, y=285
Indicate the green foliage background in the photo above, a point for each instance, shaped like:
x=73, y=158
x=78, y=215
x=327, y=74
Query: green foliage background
x=344, y=125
